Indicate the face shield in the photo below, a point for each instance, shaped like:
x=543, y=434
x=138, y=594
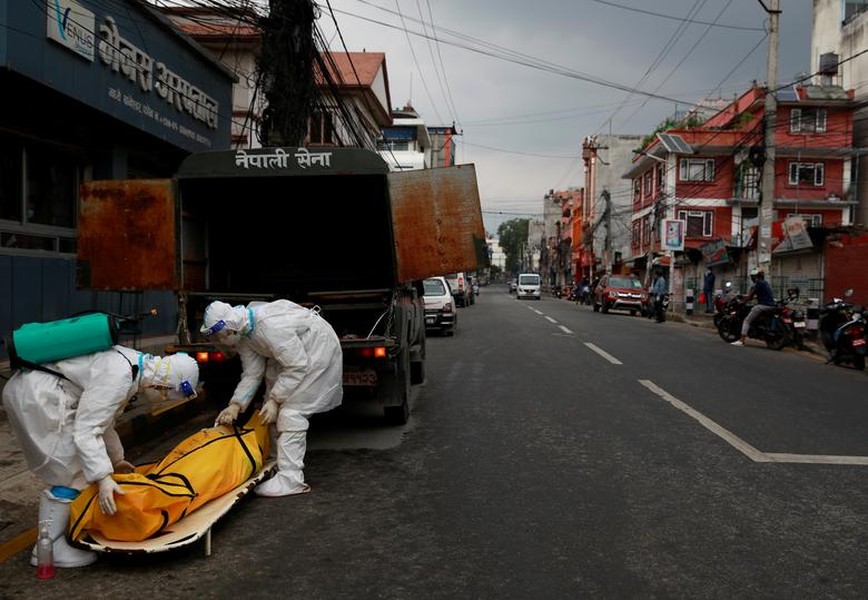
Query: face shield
x=222, y=323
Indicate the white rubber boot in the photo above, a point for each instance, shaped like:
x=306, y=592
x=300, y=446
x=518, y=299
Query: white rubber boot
x=289, y=479
x=57, y=511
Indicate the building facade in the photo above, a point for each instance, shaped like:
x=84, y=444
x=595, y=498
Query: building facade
x=696, y=192
x=93, y=89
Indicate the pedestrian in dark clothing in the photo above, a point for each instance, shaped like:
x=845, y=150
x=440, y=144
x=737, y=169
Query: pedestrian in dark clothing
x=658, y=290
x=708, y=290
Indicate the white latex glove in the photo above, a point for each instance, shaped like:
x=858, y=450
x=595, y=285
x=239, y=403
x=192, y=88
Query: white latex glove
x=124, y=467
x=108, y=487
x=268, y=412
x=228, y=415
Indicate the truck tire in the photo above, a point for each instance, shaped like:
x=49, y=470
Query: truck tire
x=396, y=393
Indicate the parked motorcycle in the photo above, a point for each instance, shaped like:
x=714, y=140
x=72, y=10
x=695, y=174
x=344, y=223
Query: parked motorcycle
x=768, y=326
x=722, y=302
x=842, y=331
x=794, y=320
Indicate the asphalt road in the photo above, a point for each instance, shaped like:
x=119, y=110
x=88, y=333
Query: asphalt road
x=553, y=453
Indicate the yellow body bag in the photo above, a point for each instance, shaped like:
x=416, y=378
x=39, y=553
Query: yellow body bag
x=204, y=466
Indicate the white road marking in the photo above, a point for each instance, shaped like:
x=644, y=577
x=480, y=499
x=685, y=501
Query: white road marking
x=603, y=353
x=745, y=448
x=565, y=330
x=550, y=320
x=537, y=311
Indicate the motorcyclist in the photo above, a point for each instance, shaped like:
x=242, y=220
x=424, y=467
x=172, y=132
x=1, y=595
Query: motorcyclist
x=762, y=291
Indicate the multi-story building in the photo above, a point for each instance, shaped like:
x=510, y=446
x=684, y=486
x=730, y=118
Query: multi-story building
x=705, y=182
x=838, y=41
x=442, y=145
x=556, y=257
x=605, y=233
x=405, y=144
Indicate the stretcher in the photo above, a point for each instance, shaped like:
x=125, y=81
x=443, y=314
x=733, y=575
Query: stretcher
x=187, y=530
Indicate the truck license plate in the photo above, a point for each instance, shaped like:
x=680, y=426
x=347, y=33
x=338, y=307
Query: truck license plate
x=365, y=378
x=429, y=320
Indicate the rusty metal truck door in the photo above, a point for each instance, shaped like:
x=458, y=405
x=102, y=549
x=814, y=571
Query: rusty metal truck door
x=437, y=221
x=127, y=235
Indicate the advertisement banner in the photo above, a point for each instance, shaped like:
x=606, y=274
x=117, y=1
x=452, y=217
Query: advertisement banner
x=714, y=253
x=673, y=234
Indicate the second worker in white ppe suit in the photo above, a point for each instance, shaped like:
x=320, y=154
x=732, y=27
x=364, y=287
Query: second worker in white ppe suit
x=299, y=355
x=65, y=423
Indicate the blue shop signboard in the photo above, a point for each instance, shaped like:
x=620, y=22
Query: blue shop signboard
x=124, y=59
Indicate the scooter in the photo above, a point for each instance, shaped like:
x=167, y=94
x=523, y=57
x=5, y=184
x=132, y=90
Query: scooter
x=843, y=331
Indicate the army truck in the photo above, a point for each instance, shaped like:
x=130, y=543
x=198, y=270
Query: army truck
x=327, y=228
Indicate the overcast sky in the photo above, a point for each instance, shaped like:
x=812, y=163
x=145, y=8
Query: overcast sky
x=526, y=81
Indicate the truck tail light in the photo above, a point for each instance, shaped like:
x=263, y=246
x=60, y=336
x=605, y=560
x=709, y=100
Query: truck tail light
x=373, y=352
x=203, y=358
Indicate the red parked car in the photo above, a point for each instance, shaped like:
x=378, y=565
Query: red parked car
x=620, y=292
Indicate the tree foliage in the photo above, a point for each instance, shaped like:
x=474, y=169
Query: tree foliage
x=512, y=236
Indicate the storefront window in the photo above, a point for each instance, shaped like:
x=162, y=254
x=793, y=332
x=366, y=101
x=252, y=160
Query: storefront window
x=10, y=180
x=51, y=183
x=38, y=191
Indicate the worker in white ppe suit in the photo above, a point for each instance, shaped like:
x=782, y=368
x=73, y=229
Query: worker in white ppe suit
x=65, y=423
x=299, y=355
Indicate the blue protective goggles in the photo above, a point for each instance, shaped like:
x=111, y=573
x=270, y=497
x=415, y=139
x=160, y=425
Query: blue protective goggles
x=187, y=389
x=216, y=327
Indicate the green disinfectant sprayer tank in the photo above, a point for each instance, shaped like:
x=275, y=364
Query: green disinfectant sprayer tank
x=56, y=340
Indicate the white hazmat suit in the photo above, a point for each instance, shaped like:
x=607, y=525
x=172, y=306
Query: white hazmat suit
x=65, y=426
x=299, y=355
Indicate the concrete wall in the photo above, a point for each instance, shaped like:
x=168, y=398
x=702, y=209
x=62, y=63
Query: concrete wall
x=829, y=34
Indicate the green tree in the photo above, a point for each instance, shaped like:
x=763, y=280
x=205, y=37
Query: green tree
x=512, y=236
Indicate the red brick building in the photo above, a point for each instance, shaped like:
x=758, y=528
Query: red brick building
x=709, y=177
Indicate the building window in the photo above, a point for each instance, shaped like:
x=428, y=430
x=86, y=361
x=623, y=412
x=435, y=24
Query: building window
x=637, y=190
x=808, y=120
x=696, y=169
x=806, y=174
x=38, y=197
x=647, y=183
x=747, y=184
x=321, y=129
x=636, y=237
x=11, y=155
x=661, y=178
x=853, y=8
x=809, y=219
x=700, y=223
x=646, y=231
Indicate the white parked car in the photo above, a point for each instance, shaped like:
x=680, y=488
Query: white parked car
x=440, y=309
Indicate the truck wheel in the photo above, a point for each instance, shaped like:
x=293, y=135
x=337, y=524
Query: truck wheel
x=397, y=393
x=417, y=372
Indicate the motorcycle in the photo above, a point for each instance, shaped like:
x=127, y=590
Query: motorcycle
x=843, y=331
x=768, y=326
x=793, y=320
x=722, y=302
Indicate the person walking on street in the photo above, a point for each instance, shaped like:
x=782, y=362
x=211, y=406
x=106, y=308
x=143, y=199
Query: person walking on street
x=299, y=355
x=658, y=290
x=708, y=290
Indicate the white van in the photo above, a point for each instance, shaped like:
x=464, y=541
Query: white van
x=528, y=286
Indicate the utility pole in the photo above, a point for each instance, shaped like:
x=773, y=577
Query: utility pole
x=607, y=249
x=766, y=212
